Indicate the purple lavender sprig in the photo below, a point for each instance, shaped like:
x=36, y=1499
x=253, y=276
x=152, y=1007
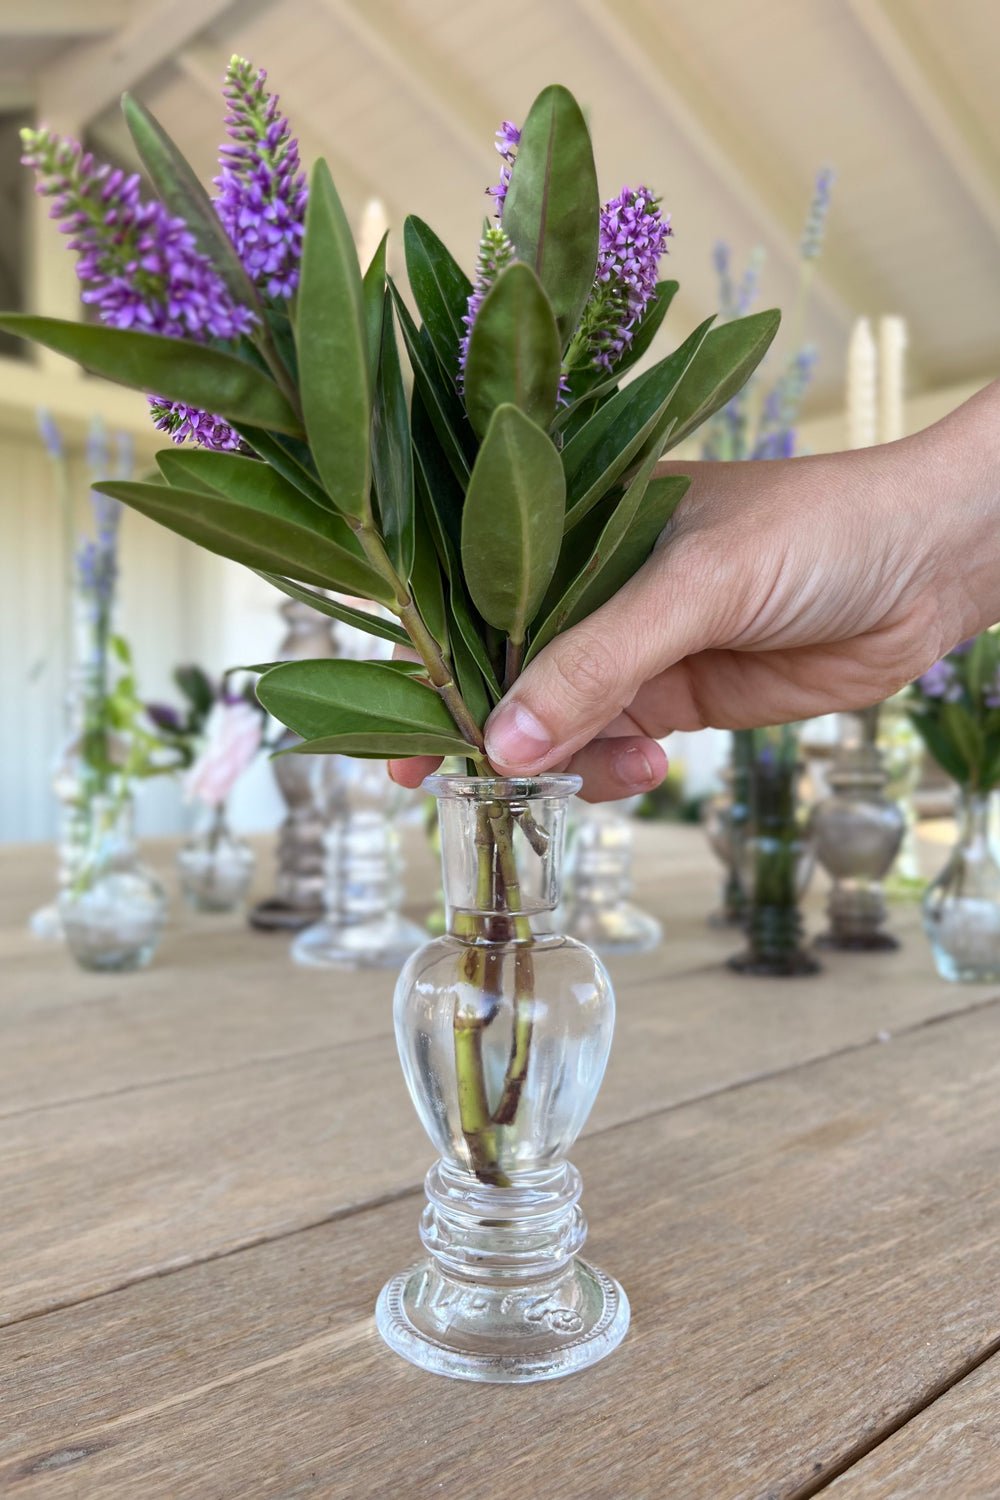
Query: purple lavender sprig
x=815, y=225
x=262, y=192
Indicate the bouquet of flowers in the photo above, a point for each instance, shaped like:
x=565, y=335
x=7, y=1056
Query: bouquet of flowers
x=955, y=708
x=495, y=498
x=216, y=733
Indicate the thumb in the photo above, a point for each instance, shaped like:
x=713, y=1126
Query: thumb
x=581, y=681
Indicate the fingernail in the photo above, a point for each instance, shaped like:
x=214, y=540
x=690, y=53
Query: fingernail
x=514, y=737
x=632, y=768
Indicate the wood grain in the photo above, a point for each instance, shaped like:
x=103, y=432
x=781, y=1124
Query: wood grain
x=807, y=1257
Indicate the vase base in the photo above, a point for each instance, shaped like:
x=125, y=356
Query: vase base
x=503, y=1335
x=794, y=966
x=383, y=944
x=618, y=929
x=870, y=942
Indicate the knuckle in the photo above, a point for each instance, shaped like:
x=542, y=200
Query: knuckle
x=588, y=667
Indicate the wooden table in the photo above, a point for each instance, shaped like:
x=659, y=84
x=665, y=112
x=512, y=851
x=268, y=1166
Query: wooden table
x=209, y=1169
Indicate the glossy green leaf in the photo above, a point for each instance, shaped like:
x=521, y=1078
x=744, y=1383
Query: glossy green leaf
x=174, y=368
x=360, y=619
x=439, y=491
x=374, y=292
x=440, y=289
x=613, y=559
x=724, y=364
x=248, y=481
x=269, y=536
x=552, y=208
x=388, y=744
x=514, y=352
x=320, y=700
x=392, y=454
x=427, y=584
x=513, y=520
x=292, y=460
x=179, y=188
x=331, y=336
x=443, y=408
x=477, y=696
x=603, y=449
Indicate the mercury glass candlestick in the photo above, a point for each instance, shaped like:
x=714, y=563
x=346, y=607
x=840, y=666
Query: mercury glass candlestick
x=298, y=898
x=598, y=911
x=777, y=861
x=858, y=831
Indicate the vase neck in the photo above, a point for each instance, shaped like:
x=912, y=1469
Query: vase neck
x=501, y=854
x=974, y=817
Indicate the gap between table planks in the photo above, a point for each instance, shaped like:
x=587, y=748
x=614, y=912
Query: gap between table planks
x=808, y=1258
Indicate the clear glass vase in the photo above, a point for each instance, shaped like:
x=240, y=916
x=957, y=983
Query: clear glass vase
x=598, y=910
x=215, y=866
x=363, y=925
x=858, y=831
x=504, y=1029
x=113, y=910
x=961, y=908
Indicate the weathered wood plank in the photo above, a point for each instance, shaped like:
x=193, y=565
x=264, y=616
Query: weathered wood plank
x=950, y=1449
x=807, y=1257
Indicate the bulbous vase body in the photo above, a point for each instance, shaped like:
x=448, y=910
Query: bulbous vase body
x=961, y=908
x=504, y=1029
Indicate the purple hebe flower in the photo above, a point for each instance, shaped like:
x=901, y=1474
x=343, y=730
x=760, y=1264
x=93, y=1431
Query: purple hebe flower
x=941, y=681
x=139, y=265
x=508, y=138
x=633, y=237
x=181, y=422
x=495, y=252
x=262, y=192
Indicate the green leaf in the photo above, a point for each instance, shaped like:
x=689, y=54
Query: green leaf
x=373, y=290
x=621, y=548
x=248, y=481
x=440, y=494
x=331, y=336
x=588, y=383
x=965, y=734
x=178, y=187
x=387, y=744
x=723, y=365
x=291, y=459
x=603, y=449
x=513, y=520
x=392, y=454
x=323, y=700
x=514, y=352
x=174, y=368
x=552, y=208
x=941, y=745
x=440, y=289
x=443, y=408
x=272, y=537
x=426, y=584
x=361, y=619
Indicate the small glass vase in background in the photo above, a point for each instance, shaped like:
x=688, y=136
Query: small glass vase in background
x=961, y=908
x=363, y=925
x=114, y=909
x=778, y=858
x=504, y=1030
x=725, y=819
x=858, y=831
x=215, y=865
x=903, y=753
x=598, y=911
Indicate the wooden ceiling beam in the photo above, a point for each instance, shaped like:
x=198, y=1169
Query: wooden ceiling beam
x=724, y=149
x=83, y=82
x=934, y=99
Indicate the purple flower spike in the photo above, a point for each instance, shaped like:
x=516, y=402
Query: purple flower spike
x=262, y=193
x=819, y=208
x=138, y=264
x=181, y=422
x=633, y=239
x=495, y=252
x=507, y=141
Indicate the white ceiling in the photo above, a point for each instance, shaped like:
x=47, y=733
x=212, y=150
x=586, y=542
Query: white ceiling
x=725, y=107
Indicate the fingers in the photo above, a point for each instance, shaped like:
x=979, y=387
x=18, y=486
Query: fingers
x=581, y=681
x=410, y=773
x=619, y=767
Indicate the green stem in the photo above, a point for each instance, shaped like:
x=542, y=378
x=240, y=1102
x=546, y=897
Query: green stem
x=524, y=970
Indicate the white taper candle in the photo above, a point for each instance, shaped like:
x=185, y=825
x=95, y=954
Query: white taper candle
x=891, y=378
x=861, y=393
